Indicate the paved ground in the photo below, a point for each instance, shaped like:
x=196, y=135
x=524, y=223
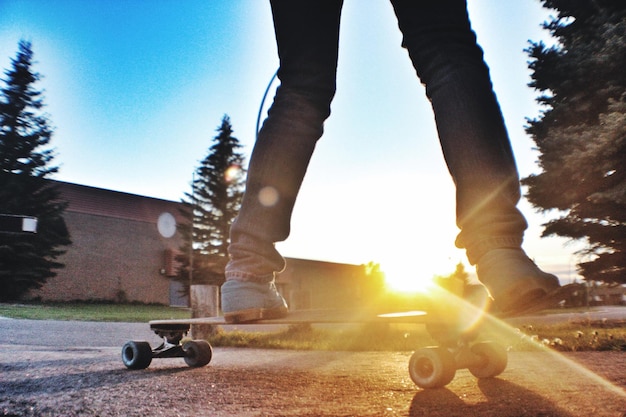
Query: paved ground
x=50, y=368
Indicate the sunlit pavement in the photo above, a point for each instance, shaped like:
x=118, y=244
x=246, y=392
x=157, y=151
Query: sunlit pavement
x=39, y=380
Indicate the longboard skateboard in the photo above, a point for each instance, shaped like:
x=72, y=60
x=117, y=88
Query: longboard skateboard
x=429, y=367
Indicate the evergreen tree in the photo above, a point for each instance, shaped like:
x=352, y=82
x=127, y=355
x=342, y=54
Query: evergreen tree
x=581, y=132
x=27, y=261
x=218, y=187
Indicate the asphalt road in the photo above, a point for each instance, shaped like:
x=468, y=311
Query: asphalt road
x=51, y=368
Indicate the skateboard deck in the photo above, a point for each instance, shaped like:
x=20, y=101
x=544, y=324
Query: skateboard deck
x=322, y=316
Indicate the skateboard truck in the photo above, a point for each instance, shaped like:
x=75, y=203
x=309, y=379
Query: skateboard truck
x=139, y=355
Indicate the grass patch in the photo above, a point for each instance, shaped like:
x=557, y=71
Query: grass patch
x=599, y=335
x=86, y=311
x=563, y=337
x=374, y=337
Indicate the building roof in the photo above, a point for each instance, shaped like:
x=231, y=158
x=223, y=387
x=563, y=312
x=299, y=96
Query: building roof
x=116, y=204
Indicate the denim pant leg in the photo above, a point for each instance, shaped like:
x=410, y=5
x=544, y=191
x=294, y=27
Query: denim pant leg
x=307, y=35
x=475, y=143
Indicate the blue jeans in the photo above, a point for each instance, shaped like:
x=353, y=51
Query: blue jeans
x=475, y=143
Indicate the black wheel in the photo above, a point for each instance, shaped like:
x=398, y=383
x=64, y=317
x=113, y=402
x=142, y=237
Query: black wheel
x=432, y=367
x=137, y=355
x=493, y=360
x=197, y=353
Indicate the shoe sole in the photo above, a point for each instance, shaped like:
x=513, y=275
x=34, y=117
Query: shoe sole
x=541, y=302
x=255, y=314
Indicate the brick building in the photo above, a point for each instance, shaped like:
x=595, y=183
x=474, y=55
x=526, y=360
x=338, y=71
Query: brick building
x=117, y=251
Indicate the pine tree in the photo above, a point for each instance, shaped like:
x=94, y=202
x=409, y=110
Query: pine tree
x=218, y=187
x=581, y=132
x=27, y=261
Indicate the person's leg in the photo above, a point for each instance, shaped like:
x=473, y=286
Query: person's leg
x=476, y=147
x=307, y=35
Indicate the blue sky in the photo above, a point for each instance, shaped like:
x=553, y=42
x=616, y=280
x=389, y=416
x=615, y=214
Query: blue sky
x=137, y=88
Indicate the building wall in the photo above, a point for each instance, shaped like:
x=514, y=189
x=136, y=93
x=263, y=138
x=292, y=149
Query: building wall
x=314, y=284
x=116, y=254
x=110, y=259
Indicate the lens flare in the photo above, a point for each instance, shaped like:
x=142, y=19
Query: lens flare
x=268, y=196
x=232, y=173
x=464, y=310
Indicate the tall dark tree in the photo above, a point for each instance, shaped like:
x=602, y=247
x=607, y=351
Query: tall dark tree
x=581, y=132
x=27, y=261
x=218, y=187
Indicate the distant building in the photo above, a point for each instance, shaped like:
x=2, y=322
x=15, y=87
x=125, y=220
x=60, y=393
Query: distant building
x=606, y=294
x=123, y=248
x=315, y=284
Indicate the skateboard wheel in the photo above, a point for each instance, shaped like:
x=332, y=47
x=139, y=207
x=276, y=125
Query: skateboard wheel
x=197, y=353
x=432, y=367
x=136, y=355
x=492, y=360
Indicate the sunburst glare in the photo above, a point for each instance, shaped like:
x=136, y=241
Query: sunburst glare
x=398, y=281
x=414, y=276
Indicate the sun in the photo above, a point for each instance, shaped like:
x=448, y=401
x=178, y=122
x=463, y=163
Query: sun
x=406, y=279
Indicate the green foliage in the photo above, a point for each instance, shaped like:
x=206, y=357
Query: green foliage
x=581, y=132
x=373, y=286
x=218, y=187
x=27, y=261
